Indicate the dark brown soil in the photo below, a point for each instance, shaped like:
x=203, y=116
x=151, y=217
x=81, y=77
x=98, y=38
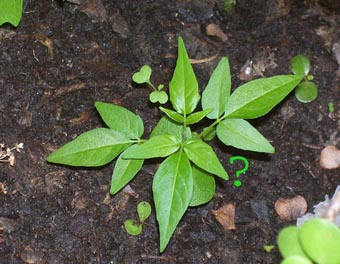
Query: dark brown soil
x=55, y=214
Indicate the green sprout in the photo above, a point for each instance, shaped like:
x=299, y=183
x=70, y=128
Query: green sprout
x=186, y=176
x=316, y=241
x=11, y=12
x=229, y=5
x=135, y=228
x=306, y=91
x=143, y=76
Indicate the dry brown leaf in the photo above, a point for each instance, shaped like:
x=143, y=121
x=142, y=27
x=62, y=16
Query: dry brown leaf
x=225, y=215
x=291, y=208
x=95, y=10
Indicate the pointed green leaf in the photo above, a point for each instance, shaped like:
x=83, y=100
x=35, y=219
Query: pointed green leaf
x=203, y=156
x=172, y=114
x=132, y=227
x=183, y=87
x=120, y=119
x=320, y=239
x=203, y=186
x=144, y=211
x=241, y=134
x=256, y=98
x=92, y=148
x=217, y=92
x=11, y=11
x=125, y=170
x=166, y=126
x=157, y=146
x=197, y=116
x=172, y=192
x=288, y=242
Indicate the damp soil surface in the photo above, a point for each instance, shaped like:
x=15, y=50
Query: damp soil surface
x=65, y=56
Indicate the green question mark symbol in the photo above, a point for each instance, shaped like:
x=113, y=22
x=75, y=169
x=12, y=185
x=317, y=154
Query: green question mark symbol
x=238, y=183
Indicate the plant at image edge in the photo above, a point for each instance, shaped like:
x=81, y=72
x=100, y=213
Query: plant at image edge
x=186, y=176
x=316, y=241
x=11, y=11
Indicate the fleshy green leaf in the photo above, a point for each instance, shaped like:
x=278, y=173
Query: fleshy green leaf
x=143, y=210
x=158, y=96
x=203, y=156
x=320, y=239
x=256, y=98
x=11, y=11
x=132, y=227
x=300, y=64
x=157, y=146
x=125, y=170
x=217, y=92
x=203, y=188
x=306, y=92
x=143, y=75
x=166, y=126
x=183, y=87
x=241, y=134
x=296, y=260
x=172, y=114
x=288, y=242
x=172, y=191
x=120, y=119
x=197, y=116
x=92, y=148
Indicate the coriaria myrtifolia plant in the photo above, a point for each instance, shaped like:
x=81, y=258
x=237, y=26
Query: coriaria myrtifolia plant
x=186, y=175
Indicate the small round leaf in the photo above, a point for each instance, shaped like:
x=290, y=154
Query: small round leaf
x=143, y=210
x=158, y=96
x=320, y=239
x=306, y=92
x=142, y=76
x=132, y=227
x=288, y=242
x=300, y=65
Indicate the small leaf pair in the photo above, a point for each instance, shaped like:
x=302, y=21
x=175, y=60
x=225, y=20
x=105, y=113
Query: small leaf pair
x=306, y=91
x=135, y=228
x=143, y=76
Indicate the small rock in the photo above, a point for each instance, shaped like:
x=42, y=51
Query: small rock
x=260, y=209
x=330, y=158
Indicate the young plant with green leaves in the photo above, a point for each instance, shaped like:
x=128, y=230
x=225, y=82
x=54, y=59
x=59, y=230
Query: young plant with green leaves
x=306, y=91
x=135, y=228
x=316, y=241
x=11, y=11
x=186, y=175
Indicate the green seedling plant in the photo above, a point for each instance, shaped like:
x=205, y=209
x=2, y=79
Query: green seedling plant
x=316, y=241
x=143, y=76
x=306, y=91
x=11, y=12
x=186, y=175
x=135, y=228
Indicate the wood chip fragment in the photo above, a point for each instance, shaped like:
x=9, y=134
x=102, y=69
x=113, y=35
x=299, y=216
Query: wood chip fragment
x=215, y=30
x=291, y=208
x=82, y=118
x=225, y=215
